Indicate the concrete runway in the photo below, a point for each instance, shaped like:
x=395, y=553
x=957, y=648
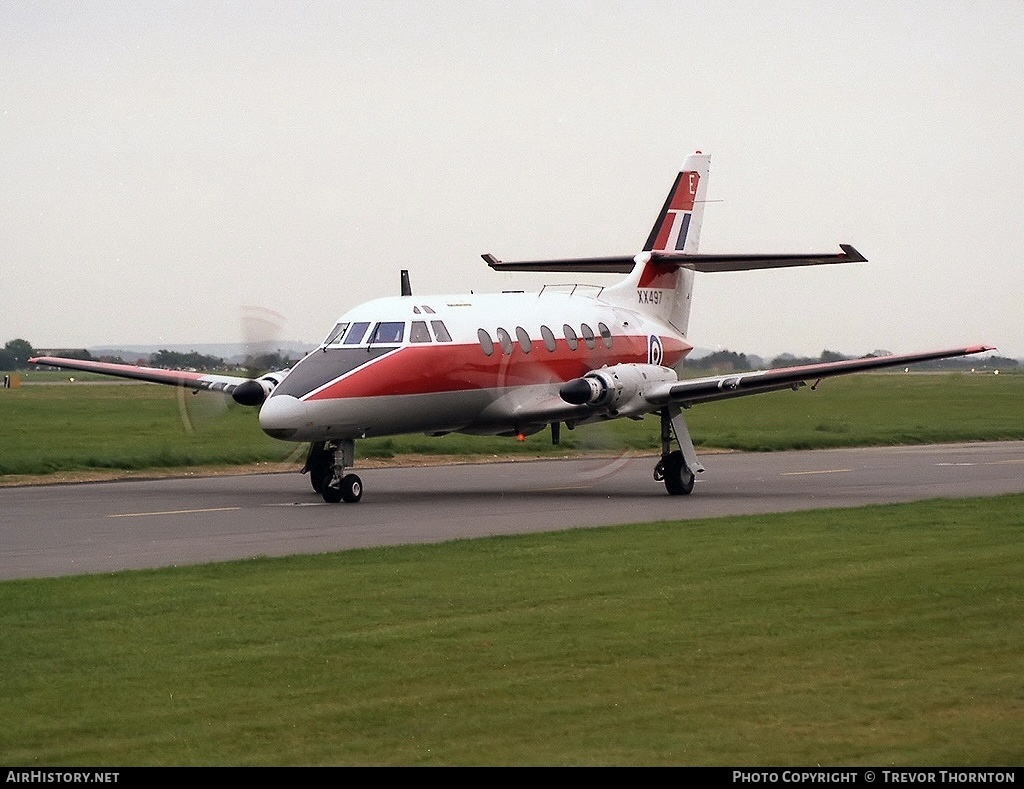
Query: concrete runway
x=55, y=530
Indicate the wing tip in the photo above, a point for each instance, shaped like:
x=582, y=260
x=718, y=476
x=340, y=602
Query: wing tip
x=852, y=255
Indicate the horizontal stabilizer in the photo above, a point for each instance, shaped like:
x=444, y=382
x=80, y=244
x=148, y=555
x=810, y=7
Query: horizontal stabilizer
x=608, y=265
x=696, y=262
x=715, y=263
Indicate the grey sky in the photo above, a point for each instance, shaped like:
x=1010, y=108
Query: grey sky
x=163, y=165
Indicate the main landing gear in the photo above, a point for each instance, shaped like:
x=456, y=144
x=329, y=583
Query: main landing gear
x=677, y=468
x=326, y=462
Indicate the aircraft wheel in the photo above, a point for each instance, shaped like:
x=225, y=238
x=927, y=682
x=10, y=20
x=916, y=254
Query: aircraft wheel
x=331, y=487
x=351, y=488
x=318, y=464
x=318, y=478
x=679, y=478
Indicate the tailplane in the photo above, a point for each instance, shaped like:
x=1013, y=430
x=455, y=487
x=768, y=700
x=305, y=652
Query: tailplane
x=659, y=280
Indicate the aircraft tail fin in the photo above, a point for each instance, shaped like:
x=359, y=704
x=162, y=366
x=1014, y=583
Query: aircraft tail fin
x=678, y=225
x=658, y=283
x=659, y=280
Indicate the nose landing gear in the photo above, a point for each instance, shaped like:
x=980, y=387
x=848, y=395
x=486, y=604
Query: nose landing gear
x=326, y=463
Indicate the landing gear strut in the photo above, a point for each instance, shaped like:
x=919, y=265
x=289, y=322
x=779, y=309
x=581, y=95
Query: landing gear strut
x=326, y=464
x=677, y=468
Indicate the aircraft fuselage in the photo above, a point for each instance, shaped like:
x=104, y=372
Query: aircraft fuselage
x=459, y=363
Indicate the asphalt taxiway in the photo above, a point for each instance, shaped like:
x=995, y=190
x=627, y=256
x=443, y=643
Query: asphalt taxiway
x=54, y=530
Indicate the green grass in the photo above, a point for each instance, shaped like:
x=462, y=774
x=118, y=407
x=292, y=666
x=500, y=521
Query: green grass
x=887, y=635
x=866, y=410
x=50, y=428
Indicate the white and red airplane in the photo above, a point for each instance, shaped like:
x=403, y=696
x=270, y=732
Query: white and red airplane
x=514, y=363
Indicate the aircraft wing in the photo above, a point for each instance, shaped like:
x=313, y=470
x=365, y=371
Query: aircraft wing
x=721, y=387
x=241, y=389
x=697, y=262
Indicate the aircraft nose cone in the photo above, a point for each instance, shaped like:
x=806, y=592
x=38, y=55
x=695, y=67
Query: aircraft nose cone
x=282, y=416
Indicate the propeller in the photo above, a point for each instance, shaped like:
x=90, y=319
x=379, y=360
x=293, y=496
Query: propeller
x=262, y=331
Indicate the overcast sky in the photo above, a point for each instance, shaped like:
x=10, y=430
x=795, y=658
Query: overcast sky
x=164, y=166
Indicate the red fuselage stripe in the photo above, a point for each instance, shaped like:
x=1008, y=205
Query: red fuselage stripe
x=442, y=367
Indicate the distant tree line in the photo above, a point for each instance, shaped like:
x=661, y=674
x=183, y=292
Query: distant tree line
x=730, y=361
x=176, y=360
x=16, y=353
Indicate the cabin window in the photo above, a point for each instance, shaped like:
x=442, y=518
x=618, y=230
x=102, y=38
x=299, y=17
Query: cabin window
x=356, y=333
x=335, y=334
x=418, y=332
x=486, y=343
x=570, y=337
x=606, y=334
x=505, y=341
x=588, y=335
x=524, y=339
x=549, y=338
x=388, y=332
x=440, y=332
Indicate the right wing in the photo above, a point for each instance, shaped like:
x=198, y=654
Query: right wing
x=245, y=391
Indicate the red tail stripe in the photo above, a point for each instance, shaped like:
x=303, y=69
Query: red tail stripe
x=686, y=192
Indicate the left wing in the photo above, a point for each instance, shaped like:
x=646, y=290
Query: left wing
x=245, y=391
x=721, y=387
x=632, y=390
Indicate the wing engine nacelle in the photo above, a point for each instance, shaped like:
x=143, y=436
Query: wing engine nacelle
x=257, y=390
x=619, y=390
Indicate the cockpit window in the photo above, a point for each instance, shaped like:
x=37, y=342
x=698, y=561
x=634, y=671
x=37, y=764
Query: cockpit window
x=440, y=331
x=418, y=332
x=356, y=333
x=335, y=335
x=388, y=332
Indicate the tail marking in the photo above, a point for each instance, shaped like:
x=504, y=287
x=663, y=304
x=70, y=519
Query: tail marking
x=674, y=221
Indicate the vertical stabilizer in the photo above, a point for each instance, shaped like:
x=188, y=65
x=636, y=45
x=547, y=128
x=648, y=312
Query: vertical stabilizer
x=664, y=290
x=678, y=225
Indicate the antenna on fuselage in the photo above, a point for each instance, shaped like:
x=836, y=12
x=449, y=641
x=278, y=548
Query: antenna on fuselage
x=406, y=285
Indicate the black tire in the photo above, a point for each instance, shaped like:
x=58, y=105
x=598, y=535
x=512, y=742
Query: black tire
x=678, y=477
x=318, y=464
x=351, y=488
x=330, y=487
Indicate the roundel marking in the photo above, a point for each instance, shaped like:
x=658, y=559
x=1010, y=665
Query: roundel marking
x=655, y=351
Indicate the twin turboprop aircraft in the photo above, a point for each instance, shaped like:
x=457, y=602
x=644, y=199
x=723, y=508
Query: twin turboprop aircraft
x=513, y=364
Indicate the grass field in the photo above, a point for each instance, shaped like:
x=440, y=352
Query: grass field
x=879, y=636
x=92, y=425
